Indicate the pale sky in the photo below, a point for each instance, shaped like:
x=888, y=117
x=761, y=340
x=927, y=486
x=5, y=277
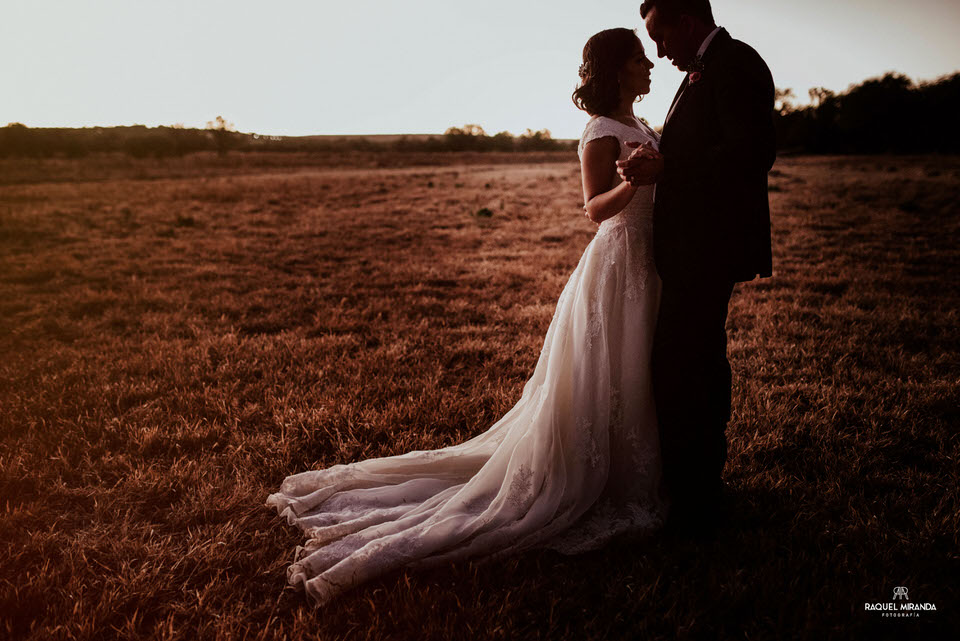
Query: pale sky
x=295, y=67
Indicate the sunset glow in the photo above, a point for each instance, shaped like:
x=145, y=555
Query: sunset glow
x=367, y=67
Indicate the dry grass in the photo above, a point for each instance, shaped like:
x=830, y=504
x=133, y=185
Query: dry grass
x=178, y=336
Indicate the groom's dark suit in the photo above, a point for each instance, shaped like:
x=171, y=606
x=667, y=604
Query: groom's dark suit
x=711, y=229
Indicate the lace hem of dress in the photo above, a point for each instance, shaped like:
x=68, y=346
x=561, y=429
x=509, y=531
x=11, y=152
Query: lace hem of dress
x=605, y=521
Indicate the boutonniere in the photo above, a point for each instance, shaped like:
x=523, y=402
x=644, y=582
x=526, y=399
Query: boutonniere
x=695, y=71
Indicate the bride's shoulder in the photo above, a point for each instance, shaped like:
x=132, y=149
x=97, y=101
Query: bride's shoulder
x=598, y=121
x=596, y=128
x=599, y=126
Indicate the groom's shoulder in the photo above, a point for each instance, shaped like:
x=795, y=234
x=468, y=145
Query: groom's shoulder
x=738, y=55
x=739, y=49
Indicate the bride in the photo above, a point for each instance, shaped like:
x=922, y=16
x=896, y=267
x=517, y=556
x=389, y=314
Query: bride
x=576, y=461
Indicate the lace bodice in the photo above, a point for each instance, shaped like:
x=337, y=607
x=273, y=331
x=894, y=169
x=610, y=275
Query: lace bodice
x=601, y=126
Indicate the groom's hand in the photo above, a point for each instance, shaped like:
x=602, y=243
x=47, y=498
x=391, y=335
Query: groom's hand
x=642, y=167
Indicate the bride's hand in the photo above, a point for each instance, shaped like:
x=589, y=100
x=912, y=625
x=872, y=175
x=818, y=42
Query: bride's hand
x=642, y=167
x=641, y=150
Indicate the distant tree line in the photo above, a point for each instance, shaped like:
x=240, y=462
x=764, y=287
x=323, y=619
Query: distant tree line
x=140, y=141
x=879, y=115
x=891, y=114
x=474, y=138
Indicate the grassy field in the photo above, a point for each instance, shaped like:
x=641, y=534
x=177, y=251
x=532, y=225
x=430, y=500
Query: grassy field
x=178, y=336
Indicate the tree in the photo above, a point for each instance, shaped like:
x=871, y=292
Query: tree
x=222, y=132
x=471, y=137
x=819, y=95
x=871, y=108
x=537, y=140
x=220, y=124
x=15, y=140
x=782, y=100
x=503, y=141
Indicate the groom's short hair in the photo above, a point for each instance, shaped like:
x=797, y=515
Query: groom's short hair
x=672, y=9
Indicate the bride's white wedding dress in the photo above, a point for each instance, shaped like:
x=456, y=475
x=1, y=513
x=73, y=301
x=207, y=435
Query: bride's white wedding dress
x=573, y=464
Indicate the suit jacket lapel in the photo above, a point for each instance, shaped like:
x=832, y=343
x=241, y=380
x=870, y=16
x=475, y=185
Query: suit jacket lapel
x=683, y=85
x=679, y=91
x=676, y=97
x=717, y=43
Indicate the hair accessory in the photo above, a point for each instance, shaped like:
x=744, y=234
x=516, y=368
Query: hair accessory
x=582, y=70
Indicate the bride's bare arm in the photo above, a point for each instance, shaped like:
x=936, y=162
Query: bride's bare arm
x=599, y=170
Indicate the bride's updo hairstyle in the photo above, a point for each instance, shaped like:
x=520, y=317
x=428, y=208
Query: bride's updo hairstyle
x=604, y=55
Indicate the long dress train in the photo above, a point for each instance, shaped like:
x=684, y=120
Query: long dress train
x=573, y=464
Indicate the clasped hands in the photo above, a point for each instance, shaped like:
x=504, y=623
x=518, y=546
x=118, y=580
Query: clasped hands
x=643, y=166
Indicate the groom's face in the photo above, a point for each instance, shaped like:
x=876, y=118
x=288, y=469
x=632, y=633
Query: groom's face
x=673, y=38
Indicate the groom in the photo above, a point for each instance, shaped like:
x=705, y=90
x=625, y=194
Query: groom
x=711, y=229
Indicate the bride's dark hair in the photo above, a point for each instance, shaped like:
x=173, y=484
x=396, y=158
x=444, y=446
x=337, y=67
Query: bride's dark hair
x=604, y=56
